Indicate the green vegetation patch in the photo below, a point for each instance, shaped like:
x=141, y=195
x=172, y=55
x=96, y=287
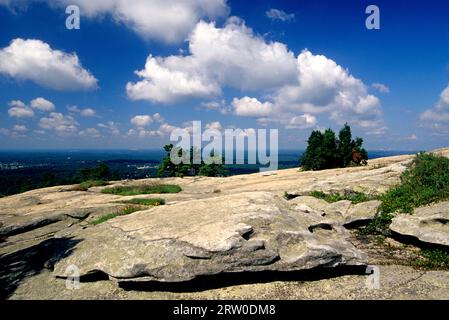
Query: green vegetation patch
x=124, y=212
x=424, y=182
x=145, y=202
x=433, y=259
x=84, y=186
x=354, y=197
x=148, y=189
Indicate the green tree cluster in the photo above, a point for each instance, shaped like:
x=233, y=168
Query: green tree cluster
x=326, y=151
x=210, y=169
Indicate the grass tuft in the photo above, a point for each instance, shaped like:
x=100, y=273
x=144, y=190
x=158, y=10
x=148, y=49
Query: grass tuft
x=354, y=197
x=84, y=186
x=433, y=259
x=124, y=212
x=148, y=189
x=145, y=202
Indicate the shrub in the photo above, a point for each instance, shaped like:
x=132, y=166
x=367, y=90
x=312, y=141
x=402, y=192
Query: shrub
x=136, y=190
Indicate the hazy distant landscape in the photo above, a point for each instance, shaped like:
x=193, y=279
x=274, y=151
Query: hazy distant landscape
x=26, y=170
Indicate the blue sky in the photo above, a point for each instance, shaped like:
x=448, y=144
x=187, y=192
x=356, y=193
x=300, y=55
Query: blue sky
x=291, y=65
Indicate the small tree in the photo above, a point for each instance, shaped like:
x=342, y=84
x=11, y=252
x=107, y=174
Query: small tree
x=325, y=151
x=168, y=169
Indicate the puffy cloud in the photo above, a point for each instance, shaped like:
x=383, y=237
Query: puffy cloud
x=219, y=106
x=61, y=124
x=323, y=86
x=141, y=121
x=88, y=112
x=163, y=130
x=437, y=118
x=231, y=56
x=251, y=107
x=20, y=128
x=42, y=104
x=20, y=110
x=164, y=80
x=381, y=87
x=301, y=121
x=158, y=118
x=297, y=90
x=36, y=61
x=376, y=130
x=290, y=120
x=239, y=58
x=280, y=15
x=412, y=137
x=110, y=126
x=165, y=20
x=212, y=105
x=216, y=125
x=90, y=133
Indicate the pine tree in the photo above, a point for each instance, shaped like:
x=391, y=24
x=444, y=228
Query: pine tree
x=325, y=151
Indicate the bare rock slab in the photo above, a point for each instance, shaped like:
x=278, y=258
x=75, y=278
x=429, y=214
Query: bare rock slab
x=428, y=224
x=253, y=231
x=338, y=213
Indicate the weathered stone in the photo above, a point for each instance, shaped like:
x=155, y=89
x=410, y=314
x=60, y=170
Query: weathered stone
x=253, y=231
x=428, y=224
x=340, y=212
x=246, y=226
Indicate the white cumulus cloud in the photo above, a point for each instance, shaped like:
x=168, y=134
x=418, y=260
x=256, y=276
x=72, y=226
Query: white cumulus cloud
x=42, y=104
x=280, y=15
x=111, y=127
x=323, y=86
x=251, y=107
x=382, y=88
x=90, y=133
x=20, y=128
x=231, y=56
x=36, y=61
x=87, y=112
x=142, y=120
x=437, y=117
x=61, y=124
x=164, y=20
x=20, y=110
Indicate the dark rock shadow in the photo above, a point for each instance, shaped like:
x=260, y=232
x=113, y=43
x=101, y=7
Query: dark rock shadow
x=414, y=241
x=16, y=266
x=221, y=280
